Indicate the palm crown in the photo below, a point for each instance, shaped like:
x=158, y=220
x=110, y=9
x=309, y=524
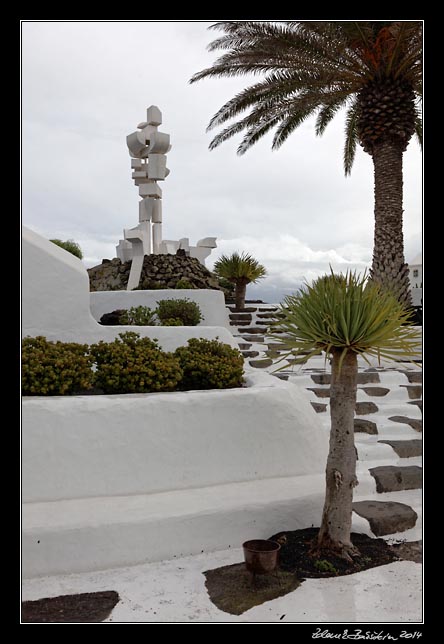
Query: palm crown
x=240, y=270
x=373, y=69
x=239, y=267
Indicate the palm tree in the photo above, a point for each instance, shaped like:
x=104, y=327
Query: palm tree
x=373, y=69
x=346, y=316
x=240, y=270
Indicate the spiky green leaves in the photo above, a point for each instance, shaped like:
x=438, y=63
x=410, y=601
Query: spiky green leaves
x=310, y=68
x=347, y=313
x=239, y=267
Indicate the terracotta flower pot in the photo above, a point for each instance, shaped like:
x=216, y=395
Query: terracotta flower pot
x=261, y=555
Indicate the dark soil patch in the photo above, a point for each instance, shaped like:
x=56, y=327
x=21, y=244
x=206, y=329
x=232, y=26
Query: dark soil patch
x=409, y=550
x=232, y=589
x=294, y=554
x=84, y=607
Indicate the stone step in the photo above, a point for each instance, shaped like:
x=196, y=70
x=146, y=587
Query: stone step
x=320, y=393
x=240, y=316
x=250, y=354
x=318, y=407
x=280, y=346
x=253, y=329
x=261, y=364
x=262, y=323
x=269, y=316
x=271, y=308
x=415, y=423
x=364, y=408
x=271, y=353
x=418, y=403
x=366, y=426
x=392, y=478
x=247, y=309
x=414, y=391
x=240, y=322
x=414, y=376
x=375, y=391
x=99, y=533
x=244, y=346
x=364, y=378
x=386, y=517
x=405, y=448
x=253, y=338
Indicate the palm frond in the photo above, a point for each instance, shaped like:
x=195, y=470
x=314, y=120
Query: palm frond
x=327, y=113
x=418, y=129
x=239, y=266
x=346, y=313
x=351, y=136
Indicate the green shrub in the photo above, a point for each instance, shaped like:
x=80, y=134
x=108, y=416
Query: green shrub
x=134, y=365
x=209, y=364
x=325, y=566
x=185, y=310
x=55, y=368
x=138, y=316
x=70, y=245
x=172, y=322
x=184, y=283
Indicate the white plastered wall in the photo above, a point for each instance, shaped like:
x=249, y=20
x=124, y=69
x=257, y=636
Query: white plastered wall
x=56, y=301
x=90, y=446
x=211, y=303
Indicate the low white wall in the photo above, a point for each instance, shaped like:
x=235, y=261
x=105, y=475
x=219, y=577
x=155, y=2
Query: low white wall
x=211, y=303
x=86, y=446
x=56, y=302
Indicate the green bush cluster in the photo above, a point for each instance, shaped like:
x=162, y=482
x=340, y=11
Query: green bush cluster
x=138, y=316
x=69, y=245
x=132, y=364
x=55, y=368
x=209, y=364
x=172, y=322
x=184, y=283
x=129, y=364
x=185, y=310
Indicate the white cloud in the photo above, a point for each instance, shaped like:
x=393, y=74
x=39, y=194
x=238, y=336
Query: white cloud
x=86, y=85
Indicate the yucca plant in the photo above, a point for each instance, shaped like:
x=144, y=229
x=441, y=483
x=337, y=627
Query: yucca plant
x=345, y=316
x=373, y=69
x=240, y=270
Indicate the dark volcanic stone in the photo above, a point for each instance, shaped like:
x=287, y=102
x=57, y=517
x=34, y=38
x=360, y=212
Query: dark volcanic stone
x=319, y=407
x=414, y=376
x=414, y=391
x=376, y=391
x=367, y=426
x=406, y=448
x=320, y=393
x=414, y=423
x=386, y=517
x=391, y=478
x=363, y=408
x=112, y=319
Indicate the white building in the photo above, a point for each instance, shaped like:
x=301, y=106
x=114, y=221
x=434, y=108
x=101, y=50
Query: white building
x=415, y=276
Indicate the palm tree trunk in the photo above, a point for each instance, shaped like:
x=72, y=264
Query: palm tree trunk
x=334, y=534
x=241, y=289
x=389, y=267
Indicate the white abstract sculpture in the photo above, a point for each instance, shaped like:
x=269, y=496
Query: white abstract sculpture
x=147, y=149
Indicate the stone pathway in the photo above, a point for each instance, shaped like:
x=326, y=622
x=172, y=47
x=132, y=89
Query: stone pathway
x=388, y=423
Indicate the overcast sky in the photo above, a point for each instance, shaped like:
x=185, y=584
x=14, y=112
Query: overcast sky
x=86, y=85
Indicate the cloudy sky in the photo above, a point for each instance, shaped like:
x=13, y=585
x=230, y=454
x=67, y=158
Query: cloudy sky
x=86, y=85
